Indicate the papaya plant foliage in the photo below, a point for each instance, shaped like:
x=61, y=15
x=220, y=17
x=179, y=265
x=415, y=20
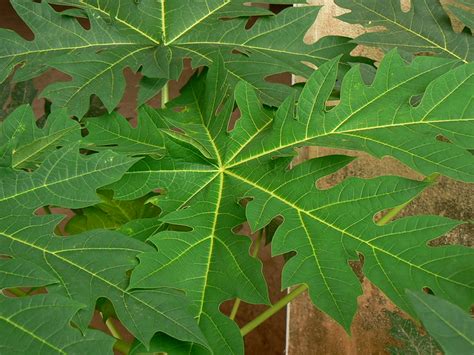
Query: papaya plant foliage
x=154, y=209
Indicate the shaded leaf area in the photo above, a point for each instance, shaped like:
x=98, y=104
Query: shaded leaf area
x=112, y=214
x=410, y=338
x=450, y=326
x=425, y=28
x=210, y=169
x=154, y=38
x=464, y=11
x=88, y=266
x=13, y=95
x=41, y=325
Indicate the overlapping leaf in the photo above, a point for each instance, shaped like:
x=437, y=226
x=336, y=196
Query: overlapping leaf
x=210, y=169
x=452, y=327
x=425, y=28
x=155, y=36
x=113, y=131
x=41, y=325
x=23, y=273
x=24, y=145
x=90, y=265
x=213, y=263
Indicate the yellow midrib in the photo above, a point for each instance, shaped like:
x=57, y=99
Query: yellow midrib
x=342, y=231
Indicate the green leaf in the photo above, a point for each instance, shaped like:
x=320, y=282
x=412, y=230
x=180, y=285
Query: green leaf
x=46, y=24
x=41, y=325
x=98, y=259
x=111, y=214
x=213, y=262
x=381, y=119
x=452, y=327
x=113, y=131
x=22, y=273
x=60, y=180
x=210, y=169
x=325, y=238
x=425, y=28
x=464, y=11
x=27, y=145
x=144, y=35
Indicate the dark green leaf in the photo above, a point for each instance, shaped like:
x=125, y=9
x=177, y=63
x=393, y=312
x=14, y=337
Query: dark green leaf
x=452, y=327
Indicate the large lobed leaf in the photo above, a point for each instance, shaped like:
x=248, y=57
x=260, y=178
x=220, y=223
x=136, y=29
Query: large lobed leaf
x=424, y=28
x=381, y=118
x=41, y=325
x=154, y=37
x=209, y=169
x=88, y=266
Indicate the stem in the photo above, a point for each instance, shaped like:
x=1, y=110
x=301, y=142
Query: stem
x=47, y=210
x=122, y=346
x=165, y=95
x=235, y=308
x=256, y=249
x=113, y=329
x=273, y=310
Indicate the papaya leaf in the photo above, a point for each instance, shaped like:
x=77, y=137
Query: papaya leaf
x=26, y=145
x=380, y=118
x=98, y=259
x=464, y=11
x=154, y=37
x=41, y=325
x=425, y=28
x=411, y=339
x=210, y=168
x=22, y=273
x=452, y=327
x=113, y=131
x=111, y=214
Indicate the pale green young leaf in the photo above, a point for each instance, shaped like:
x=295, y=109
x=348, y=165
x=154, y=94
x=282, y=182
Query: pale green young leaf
x=111, y=214
x=41, y=325
x=450, y=326
x=425, y=28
